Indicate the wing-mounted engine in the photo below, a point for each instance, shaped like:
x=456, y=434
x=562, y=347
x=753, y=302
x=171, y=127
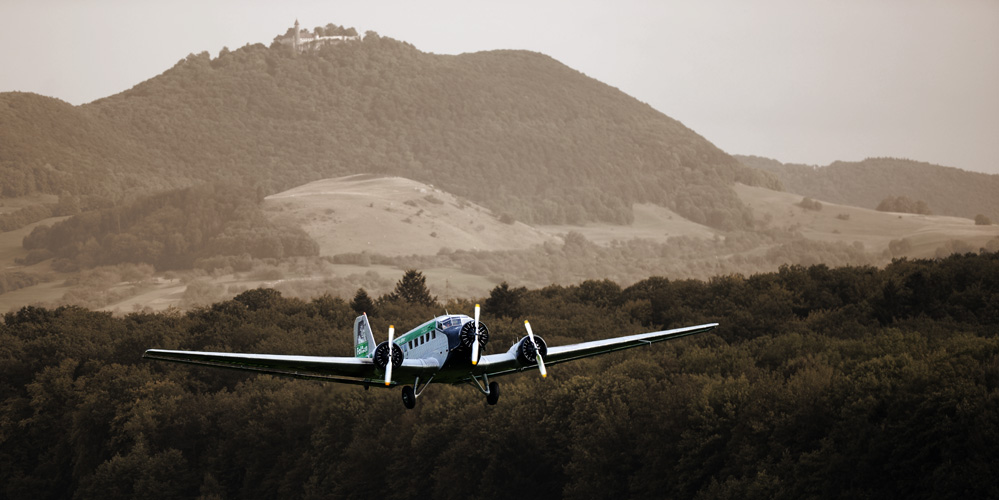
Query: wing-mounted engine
x=387, y=355
x=527, y=353
x=381, y=357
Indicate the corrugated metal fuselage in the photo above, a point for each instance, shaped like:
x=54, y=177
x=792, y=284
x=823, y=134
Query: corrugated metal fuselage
x=439, y=339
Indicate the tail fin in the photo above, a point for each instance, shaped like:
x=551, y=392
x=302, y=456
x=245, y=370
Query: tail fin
x=364, y=341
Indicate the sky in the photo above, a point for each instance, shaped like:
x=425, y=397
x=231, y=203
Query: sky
x=799, y=81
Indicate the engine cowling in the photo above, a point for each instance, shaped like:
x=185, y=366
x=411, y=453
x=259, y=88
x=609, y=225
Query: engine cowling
x=381, y=357
x=467, y=335
x=527, y=355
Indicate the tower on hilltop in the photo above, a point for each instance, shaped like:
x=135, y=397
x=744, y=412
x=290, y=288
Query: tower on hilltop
x=296, y=38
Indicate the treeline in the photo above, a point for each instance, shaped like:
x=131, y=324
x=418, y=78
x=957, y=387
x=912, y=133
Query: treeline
x=949, y=191
x=903, y=204
x=170, y=231
x=819, y=383
x=68, y=204
x=24, y=216
x=10, y=281
x=578, y=259
x=514, y=131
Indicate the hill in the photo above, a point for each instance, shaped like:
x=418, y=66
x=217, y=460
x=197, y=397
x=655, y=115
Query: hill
x=514, y=131
x=337, y=235
x=947, y=190
x=914, y=236
x=393, y=216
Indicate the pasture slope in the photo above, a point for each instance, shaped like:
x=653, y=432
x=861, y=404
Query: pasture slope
x=394, y=216
x=875, y=230
x=391, y=216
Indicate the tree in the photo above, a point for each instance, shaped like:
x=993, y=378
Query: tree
x=412, y=288
x=505, y=301
x=259, y=298
x=810, y=204
x=904, y=204
x=982, y=220
x=362, y=303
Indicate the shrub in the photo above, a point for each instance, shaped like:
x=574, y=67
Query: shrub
x=810, y=204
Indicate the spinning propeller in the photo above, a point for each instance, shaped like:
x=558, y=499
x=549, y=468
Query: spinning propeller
x=388, y=366
x=541, y=362
x=474, y=335
x=475, y=341
x=388, y=355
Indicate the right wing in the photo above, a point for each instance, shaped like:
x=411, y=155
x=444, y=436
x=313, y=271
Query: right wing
x=502, y=364
x=360, y=371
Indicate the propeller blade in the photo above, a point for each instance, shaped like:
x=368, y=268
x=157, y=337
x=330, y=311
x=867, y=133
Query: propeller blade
x=541, y=362
x=388, y=367
x=475, y=342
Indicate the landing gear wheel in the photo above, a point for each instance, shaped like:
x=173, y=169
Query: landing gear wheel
x=493, y=395
x=409, y=397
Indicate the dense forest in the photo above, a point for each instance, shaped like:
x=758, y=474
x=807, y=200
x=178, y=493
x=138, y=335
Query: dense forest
x=514, y=131
x=169, y=230
x=944, y=190
x=851, y=382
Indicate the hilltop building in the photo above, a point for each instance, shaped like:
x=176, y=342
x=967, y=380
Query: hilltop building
x=303, y=40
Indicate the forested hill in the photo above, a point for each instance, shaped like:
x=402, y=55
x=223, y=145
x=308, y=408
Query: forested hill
x=851, y=383
x=946, y=190
x=515, y=131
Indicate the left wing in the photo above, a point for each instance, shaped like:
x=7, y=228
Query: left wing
x=360, y=371
x=501, y=364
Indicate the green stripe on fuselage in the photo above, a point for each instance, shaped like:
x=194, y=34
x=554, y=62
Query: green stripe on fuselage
x=423, y=329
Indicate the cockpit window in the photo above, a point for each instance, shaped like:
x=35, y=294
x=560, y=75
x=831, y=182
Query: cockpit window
x=451, y=321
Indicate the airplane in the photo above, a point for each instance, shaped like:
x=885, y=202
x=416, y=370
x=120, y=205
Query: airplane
x=445, y=349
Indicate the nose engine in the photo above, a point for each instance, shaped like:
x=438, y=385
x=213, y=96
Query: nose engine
x=467, y=335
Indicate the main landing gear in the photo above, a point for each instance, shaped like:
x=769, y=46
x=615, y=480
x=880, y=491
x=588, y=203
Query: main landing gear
x=490, y=389
x=411, y=392
x=493, y=395
x=409, y=397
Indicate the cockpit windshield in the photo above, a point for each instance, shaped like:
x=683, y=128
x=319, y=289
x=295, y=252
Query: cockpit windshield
x=450, y=321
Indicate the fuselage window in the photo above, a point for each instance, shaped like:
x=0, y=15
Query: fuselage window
x=433, y=334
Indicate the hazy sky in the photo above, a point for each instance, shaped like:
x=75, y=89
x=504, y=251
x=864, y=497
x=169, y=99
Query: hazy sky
x=804, y=81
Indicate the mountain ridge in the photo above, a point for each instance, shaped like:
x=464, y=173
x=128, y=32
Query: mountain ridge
x=515, y=131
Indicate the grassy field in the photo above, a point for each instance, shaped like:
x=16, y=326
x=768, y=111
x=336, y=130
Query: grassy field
x=652, y=222
x=871, y=228
x=394, y=216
